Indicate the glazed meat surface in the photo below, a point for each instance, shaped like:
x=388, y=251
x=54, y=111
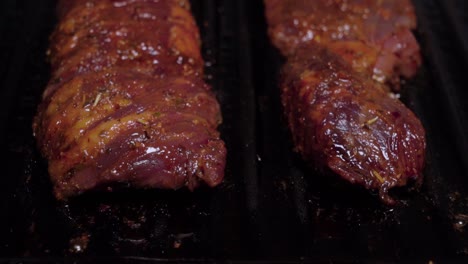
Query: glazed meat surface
x=343, y=58
x=127, y=102
x=350, y=123
x=374, y=36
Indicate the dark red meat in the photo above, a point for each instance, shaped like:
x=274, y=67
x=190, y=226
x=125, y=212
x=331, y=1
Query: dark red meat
x=127, y=102
x=373, y=35
x=341, y=57
x=349, y=123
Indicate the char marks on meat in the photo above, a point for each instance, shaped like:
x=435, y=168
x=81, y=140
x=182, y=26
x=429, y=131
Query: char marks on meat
x=127, y=102
x=343, y=58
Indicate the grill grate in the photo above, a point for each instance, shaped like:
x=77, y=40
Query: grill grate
x=271, y=208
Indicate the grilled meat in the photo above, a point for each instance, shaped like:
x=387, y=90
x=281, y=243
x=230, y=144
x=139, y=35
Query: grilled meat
x=341, y=57
x=126, y=102
x=349, y=123
x=373, y=36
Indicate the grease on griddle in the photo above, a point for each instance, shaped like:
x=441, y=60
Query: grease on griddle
x=80, y=243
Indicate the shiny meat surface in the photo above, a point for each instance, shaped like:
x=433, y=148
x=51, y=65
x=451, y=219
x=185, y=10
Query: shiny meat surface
x=126, y=102
x=373, y=35
x=350, y=123
x=343, y=58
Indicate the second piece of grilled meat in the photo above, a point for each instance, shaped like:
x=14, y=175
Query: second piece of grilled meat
x=349, y=123
x=343, y=58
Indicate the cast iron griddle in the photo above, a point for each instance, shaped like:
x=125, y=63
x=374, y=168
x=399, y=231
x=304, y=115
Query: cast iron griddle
x=271, y=207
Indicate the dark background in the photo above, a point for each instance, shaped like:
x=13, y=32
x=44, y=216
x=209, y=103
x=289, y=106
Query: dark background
x=271, y=207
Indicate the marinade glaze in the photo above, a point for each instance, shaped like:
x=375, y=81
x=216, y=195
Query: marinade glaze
x=126, y=102
x=343, y=59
